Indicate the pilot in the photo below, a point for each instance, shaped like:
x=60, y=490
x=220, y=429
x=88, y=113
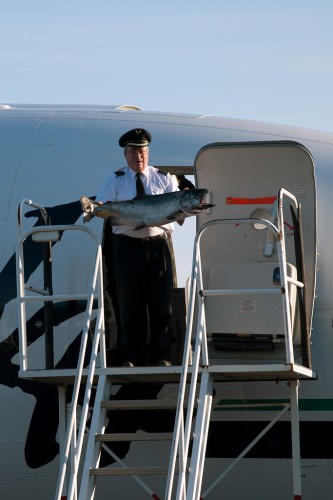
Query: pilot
x=142, y=260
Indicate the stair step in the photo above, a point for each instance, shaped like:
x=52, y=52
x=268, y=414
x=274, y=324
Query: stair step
x=134, y=436
x=133, y=471
x=140, y=404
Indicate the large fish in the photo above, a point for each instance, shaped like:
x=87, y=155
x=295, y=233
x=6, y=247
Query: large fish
x=149, y=210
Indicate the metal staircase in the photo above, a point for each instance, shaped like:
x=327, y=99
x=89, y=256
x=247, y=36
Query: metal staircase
x=97, y=436
x=196, y=378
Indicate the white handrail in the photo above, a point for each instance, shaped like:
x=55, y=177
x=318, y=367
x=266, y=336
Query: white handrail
x=182, y=429
x=85, y=407
x=95, y=292
x=22, y=298
x=284, y=276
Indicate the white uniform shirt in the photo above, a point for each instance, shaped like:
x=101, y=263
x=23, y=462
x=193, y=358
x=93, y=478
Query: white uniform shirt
x=123, y=187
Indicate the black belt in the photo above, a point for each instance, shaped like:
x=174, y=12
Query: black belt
x=148, y=238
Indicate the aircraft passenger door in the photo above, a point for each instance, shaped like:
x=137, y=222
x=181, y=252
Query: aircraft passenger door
x=244, y=179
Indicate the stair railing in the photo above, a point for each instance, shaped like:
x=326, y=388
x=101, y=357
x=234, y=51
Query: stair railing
x=95, y=293
x=182, y=430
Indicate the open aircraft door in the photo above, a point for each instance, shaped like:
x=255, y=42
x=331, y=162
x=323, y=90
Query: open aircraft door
x=245, y=180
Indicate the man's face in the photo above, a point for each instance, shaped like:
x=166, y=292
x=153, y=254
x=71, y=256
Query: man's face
x=137, y=157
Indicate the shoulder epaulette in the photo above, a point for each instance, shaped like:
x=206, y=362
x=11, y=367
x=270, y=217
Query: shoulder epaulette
x=119, y=172
x=161, y=171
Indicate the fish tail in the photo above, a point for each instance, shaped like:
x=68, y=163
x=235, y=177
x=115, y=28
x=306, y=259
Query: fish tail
x=88, y=208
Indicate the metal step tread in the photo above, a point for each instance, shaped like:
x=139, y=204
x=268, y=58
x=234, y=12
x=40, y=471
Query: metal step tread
x=140, y=404
x=131, y=471
x=134, y=436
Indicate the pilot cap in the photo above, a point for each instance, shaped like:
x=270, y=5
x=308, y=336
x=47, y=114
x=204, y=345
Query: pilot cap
x=138, y=137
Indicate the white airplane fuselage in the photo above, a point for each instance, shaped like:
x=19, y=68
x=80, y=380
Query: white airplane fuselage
x=53, y=155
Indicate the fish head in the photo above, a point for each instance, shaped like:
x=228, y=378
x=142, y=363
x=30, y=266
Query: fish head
x=194, y=201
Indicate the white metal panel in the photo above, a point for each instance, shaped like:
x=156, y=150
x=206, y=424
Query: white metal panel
x=246, y=172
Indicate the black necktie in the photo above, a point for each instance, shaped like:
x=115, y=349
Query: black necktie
x=139, y=185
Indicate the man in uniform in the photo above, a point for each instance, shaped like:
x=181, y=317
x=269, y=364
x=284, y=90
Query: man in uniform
x=142, y=260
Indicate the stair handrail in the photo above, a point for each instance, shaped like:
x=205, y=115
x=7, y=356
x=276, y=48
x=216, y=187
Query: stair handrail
x=95, y=292
x=183, y=433
x=186, y=362
x=22, y=298
x=98, y=344
x=285, y=279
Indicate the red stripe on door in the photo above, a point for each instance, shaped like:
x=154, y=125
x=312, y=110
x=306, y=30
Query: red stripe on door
x=267, y=200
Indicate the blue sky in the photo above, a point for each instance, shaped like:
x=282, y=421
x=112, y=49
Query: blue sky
x=255, y=59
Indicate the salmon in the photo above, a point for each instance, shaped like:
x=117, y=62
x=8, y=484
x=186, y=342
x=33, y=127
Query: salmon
x=148, y=210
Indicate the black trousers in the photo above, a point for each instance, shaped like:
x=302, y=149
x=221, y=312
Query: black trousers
x=144, y=283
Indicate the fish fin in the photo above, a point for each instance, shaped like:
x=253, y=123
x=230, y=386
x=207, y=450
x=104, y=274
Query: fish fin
x=88, y=208
x=139, y=227
x=86, y=202
x=177, y=217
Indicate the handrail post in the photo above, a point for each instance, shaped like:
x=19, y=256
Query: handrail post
x=284, y=281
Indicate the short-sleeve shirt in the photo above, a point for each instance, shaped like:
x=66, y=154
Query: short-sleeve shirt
x=121, y=185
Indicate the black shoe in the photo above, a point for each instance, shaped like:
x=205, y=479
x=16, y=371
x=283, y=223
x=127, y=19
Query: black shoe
x=128, y=364
x=164, y=362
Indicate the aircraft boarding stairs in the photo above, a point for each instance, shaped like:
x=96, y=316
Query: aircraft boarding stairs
x=196, y=376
